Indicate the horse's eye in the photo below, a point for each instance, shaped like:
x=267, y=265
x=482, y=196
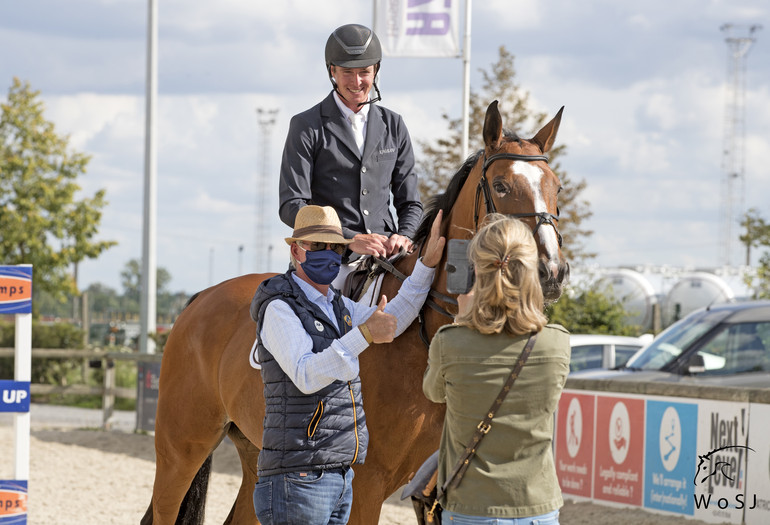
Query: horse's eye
x=500, y=187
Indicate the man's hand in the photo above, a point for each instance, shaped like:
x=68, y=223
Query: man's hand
x=434, y=248
x=382, y=326
x=397, y=243
x=369, y=244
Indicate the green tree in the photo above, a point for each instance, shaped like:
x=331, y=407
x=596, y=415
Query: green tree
x=41, y=221
x=757, y=235
x=103, y=301
x=441, y=158
x=757, y=232
x=590, y=312
x=131, y=279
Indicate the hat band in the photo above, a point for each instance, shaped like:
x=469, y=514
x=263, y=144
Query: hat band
x=309, y=230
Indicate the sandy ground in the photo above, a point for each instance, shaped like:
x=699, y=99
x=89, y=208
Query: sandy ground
x=84, y=476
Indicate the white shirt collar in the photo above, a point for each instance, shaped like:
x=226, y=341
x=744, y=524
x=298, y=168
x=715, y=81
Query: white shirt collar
x=346, y=111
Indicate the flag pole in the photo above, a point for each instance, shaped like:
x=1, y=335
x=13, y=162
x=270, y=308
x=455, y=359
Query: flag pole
x=466, y=79
x=148, y=307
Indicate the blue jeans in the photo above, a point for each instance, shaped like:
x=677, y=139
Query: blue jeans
x=552, y=518
x=315, y=497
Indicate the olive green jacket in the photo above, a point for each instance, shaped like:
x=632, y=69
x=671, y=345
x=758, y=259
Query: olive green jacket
x=512, y=474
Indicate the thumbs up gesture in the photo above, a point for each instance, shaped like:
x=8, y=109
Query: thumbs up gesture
x=381, y=325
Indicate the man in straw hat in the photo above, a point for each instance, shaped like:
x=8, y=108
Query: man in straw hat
x=308, y=341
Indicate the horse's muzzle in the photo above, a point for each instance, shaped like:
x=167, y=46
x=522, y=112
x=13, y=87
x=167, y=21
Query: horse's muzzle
x=553, y=279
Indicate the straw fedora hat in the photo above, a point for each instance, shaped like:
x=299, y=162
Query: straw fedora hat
x=317, y=224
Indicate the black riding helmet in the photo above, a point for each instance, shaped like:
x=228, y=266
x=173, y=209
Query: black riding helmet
x=353, y=45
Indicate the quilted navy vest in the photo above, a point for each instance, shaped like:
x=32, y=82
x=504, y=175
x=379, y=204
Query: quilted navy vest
x=322, y=430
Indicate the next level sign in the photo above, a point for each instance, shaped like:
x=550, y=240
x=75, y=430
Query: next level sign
x=14, y=396
x=15, y=289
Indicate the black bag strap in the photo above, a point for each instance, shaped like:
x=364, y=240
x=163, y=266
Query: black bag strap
x=483, y=427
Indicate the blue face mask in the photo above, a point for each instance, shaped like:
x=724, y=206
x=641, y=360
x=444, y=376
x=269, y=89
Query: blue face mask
x=322, y=266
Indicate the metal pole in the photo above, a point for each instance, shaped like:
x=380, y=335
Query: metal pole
x=266, y=121
x=149, y=230
x=733, y=149
x=466, y=79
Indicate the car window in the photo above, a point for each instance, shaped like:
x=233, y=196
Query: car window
x=586, y=357
x=623, y=353
x=738, y=348
x=670, y=343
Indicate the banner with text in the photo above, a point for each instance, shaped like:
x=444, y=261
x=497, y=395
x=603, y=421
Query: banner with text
x=16, y=289
x=417, y=28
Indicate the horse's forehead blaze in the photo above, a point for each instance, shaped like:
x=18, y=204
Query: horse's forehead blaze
x=533, y=175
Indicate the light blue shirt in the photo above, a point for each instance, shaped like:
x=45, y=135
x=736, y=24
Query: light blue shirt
x=285, y=338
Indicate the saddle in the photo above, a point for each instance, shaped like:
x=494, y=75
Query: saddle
x=367, y=270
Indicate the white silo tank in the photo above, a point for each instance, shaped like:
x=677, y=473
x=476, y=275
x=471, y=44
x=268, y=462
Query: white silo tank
x=631, y=289
x=693, y=291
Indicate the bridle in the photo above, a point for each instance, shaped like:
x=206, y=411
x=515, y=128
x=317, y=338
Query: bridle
x=483, y=188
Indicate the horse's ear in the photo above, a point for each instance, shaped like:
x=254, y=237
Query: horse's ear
x=493, y=127
x=547, y=136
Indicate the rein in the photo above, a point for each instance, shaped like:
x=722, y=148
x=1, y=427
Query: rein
x=483, y=187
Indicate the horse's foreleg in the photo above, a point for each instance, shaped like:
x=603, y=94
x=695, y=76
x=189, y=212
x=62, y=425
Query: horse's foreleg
x=243, y=508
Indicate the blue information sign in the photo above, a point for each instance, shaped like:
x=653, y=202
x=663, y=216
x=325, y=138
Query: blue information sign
x=670, y=456
x=14, y=396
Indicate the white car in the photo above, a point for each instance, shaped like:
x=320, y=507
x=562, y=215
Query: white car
x=594, y=351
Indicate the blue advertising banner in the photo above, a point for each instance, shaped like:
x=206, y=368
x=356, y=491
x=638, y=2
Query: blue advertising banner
x=670, y=454
x=15, y=289
x=14, y=396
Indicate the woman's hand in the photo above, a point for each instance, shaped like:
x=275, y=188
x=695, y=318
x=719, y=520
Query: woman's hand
x=464, y=303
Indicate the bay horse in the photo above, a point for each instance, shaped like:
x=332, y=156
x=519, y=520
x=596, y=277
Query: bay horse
x=209, y=391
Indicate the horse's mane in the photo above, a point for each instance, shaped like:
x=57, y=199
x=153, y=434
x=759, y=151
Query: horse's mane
x=444, y=201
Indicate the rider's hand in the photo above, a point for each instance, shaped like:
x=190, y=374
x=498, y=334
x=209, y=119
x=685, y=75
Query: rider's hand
x=369, y=244
x=397, y=243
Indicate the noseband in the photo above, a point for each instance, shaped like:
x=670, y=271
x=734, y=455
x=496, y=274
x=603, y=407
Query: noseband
x=483, y=187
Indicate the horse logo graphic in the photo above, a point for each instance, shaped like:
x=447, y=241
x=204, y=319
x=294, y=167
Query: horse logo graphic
x=711, y=465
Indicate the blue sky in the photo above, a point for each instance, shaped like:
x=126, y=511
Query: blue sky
x=643, y=85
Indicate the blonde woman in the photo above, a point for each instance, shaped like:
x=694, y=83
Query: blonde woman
x=512, y=478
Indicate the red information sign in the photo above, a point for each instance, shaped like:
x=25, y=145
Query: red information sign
x=619, y=464
x=574, y=443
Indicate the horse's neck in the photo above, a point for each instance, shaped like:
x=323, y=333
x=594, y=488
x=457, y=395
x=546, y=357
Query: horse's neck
x=462, y=215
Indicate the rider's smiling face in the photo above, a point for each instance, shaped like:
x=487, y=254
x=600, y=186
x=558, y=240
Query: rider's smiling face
x=354, y=84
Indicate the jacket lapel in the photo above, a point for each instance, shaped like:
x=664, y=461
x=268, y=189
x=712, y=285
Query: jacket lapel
x=337, y=125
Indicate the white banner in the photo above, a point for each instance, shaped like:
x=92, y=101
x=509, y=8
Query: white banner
x=417, y=28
